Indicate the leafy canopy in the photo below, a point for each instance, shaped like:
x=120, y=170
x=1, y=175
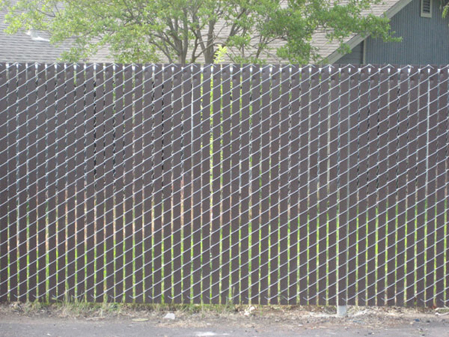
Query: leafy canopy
x=189, y=31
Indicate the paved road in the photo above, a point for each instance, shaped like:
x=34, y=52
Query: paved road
x=19, y=325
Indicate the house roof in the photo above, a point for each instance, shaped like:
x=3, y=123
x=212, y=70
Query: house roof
x=24, y=47
x=35, y=47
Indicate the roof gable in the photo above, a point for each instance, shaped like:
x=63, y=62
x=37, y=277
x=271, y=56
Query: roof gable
x=329, y=50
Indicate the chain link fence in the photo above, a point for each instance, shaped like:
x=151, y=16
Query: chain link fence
x=224, y=184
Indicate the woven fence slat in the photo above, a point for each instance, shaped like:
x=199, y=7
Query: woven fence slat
x=71, y=181
x=157, y=186
x=12, y=181
x=333, y=186
x=216, y=191
x=441, y=192
x=147, y=179
x=382, y=192
x=137, y=182
x=352, y=197
x=284, y=184
x=422, y=166
x=372, y=184
x=392, y=226
x=255, y=216
x=4, y=183
x=293, y=146
x=402, y=185
x=196, y=185
x=411, y=184
x=109, y=182
x=61, y=182
x=245, y=180
x=431, y=187
x=41, y=193
x=31, y=101
x=205, y=183
x=226, y=185
x=177, y=181
x=167, y=230
x=187, y=185
x=313, y=184
x=128, y=203
x=303, y=179
x=343, y=167
x=51, y=182
x=235, y=222
x=362, y=176
x=118, y=162
x=80, y=215
x=323, y=185
x=22, y=222
x=274, y=185
x=265, y=187
x=99, y=181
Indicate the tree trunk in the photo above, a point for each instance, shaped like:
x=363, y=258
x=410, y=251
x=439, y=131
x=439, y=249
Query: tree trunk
x=209, y=58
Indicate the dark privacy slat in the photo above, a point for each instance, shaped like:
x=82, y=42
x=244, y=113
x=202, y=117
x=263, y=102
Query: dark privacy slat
x=80, y=183
x=402, y=185
x=42, y=247
x=31, y=185
x=4, y=183
x=235, y=222
x=343, y=184
x=12, y=181
x=109, y=182
x=362, y=243
x=196, y=185
x=22, y=182
x=177, y=181
x=245, y=129
x=431, y=187
x=128, y=160
x=353, y=147
x=303, y=181
x=215, y=238
x=187, y=185
x=205, y=184
x=71, y=164
x=441, y=190
x=118, y=182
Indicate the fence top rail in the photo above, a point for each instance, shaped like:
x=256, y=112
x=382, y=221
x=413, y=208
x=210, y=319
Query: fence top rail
x=231, y=66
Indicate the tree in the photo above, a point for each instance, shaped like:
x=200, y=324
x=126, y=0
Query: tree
x=186, y=31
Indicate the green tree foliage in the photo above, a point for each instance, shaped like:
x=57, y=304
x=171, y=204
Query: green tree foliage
x=338, y=20
x=185, y=31
x=444, y=5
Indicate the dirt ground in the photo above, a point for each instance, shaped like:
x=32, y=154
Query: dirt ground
x=112, y=320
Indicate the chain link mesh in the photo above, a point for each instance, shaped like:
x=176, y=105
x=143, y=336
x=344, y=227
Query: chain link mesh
x=224, y=184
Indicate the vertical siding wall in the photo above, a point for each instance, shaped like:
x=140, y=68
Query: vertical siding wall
x=354, y=57
x=424, y=40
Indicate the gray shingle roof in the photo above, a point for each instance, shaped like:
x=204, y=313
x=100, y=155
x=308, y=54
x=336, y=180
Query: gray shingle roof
x=34, y=47
x=22, y=47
